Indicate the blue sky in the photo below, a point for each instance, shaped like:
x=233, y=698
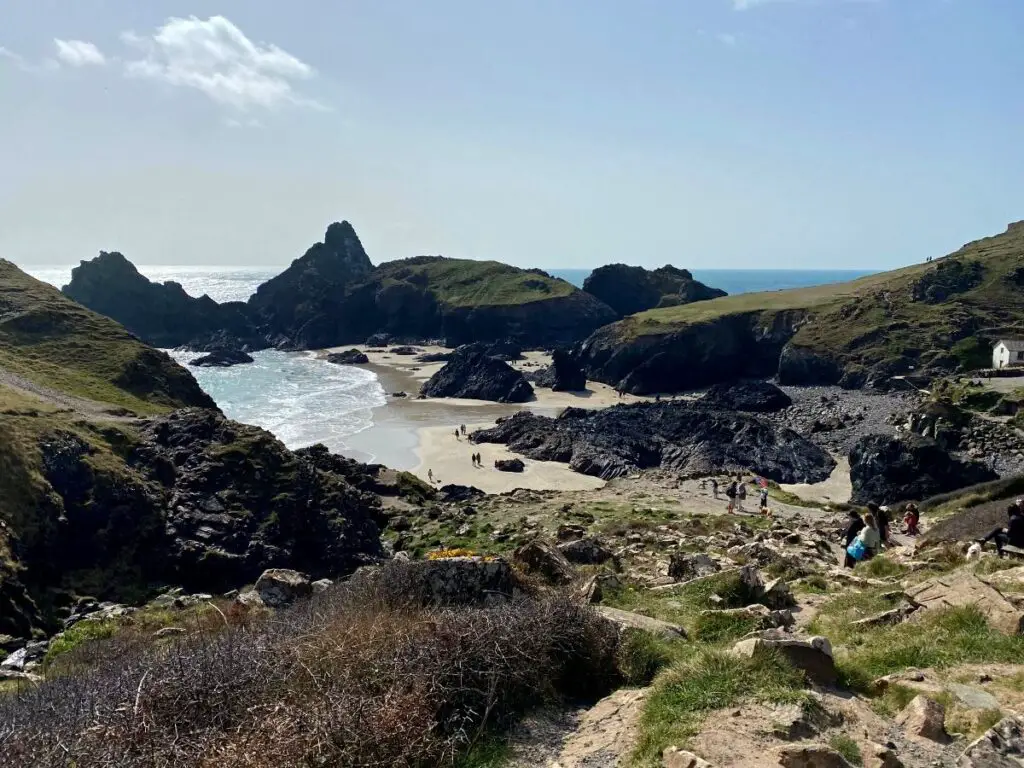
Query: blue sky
x=564, y=133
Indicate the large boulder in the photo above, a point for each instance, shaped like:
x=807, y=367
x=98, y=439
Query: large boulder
x=348, y=357
x=1001, y=746
x=472, y=373
x=962, y=588
x=683, y=566
x=752, y=396
x=687, y=438
x=888, y=469
x=545, y=560
x=628, y=290
x=563, y=375
x=812, y=655
x=509, y=465
x=586, y=551
x=924, y=718
x=278, y=587
x=630, y=620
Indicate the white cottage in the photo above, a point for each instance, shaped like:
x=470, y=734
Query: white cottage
x=1008, y=353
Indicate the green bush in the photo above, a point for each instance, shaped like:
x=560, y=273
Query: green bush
x=973, y=353
x=641, y=656
x=846, y=747
x=79, y=634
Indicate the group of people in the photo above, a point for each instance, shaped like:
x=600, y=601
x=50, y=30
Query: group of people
x=736, y=493
x=460, y=431
x=477, y=461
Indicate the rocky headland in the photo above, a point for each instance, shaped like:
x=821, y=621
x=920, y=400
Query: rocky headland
x=629, y=290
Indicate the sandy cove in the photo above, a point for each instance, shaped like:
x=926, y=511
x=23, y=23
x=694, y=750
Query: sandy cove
x=419, y=435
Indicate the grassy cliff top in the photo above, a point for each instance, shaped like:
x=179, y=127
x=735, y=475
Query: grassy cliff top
x=465, y=282
x=50, y=341
x=898, y=293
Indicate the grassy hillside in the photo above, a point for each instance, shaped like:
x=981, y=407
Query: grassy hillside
x=55, y=343
x=466, y=283
x=846, y=311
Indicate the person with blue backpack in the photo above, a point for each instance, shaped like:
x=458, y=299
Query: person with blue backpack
x=868, y=541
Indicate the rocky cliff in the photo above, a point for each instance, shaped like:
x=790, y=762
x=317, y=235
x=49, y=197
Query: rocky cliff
x=628, y=290
x=161, y=314
x=333, y=295
x=927, y=319
x=110, y=486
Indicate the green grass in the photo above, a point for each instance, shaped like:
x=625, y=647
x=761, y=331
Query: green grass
x=465, y=283
x=641, y=656
x=489, y=752
x=79, y=634
x=54, y=342
x=846, y=747
x=943, y=639
x=685, y=694
x=880, y=567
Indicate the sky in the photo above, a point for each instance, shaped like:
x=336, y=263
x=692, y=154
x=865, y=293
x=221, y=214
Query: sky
x=788, y=134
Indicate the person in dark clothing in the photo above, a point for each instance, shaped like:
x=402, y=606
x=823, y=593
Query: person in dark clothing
x=854, y=528
x=881, y=515
x=1012, y=534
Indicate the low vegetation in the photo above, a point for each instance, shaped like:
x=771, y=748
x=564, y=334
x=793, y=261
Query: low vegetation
x=357, y=676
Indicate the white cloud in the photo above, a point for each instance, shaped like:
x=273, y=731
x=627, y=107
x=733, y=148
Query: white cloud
x=78, y=53
x=726, y=38
x=215, y=57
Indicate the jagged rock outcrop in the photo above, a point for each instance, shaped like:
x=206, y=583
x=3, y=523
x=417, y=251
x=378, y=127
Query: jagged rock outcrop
x=563, y=375
x=751, y=396
x=628, y=290
x=888, y=469
x=687, y=438
x=161, y=314
x=305, y=304
x=472, y=373
x=800, y=366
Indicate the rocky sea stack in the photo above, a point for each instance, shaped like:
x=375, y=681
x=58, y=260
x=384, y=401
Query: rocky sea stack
x=629, y=290
x=472, y=373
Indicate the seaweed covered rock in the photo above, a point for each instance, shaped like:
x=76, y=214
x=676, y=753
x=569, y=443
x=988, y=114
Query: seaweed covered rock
x=628, y=290
x=751, y=396
x=684, y=437
x=888, y=469
x=472, y=373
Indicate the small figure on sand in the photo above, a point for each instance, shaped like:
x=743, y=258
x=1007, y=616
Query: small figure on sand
x=430, y=475
x=476, y=459
x=457, y=434
x=714, y=487
x=462, y=428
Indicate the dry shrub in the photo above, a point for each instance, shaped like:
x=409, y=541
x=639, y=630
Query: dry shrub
x=355, y=677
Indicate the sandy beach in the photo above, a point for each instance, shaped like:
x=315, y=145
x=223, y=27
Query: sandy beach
x=418, y=435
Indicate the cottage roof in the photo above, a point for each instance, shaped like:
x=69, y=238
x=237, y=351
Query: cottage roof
x=1014, y=345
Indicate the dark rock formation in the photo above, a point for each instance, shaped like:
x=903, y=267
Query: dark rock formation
x=563, y=375
x=799, y=366
x=348, y=357
x=201, y=502
x=455, y=493
x=629, y=290
x=222, y=358
x=751, y=396
x=887, y=470
x=160, y=314
x=509, y=465
x=434, y=357
x=687, y=438
x=727, y=348
x=305, y=304
x=586, y=551
x=404, y=350
x=948, y=278
x=542, y=558
x=471, y=373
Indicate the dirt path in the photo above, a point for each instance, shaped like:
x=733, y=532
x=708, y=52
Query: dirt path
x=87, y=409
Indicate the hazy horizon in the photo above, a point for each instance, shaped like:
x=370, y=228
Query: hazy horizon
x=742, y=134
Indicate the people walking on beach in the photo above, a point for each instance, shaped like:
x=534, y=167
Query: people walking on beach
x=730, y=494
x=849, y=535
x=462, y=428
x=456, y=433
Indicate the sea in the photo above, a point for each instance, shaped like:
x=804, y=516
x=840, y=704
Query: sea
x=304, y=400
